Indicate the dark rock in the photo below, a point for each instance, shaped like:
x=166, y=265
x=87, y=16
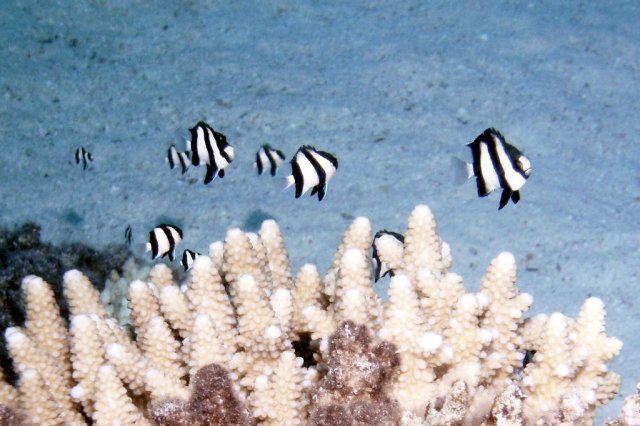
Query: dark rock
x=22, y=253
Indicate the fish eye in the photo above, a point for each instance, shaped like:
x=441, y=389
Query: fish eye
x=525, y=165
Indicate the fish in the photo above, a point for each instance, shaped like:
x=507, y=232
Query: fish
x=311, y=169
x=127, y=235
x=380, y=269
x=174, y=158
x=266, y=154
x=211, y=148
x=163, y=240
x=528, y=357
x=188, y=256
x=498, y=164
x=83, y=155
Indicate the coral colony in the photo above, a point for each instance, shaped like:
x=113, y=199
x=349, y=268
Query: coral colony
x=242, y=342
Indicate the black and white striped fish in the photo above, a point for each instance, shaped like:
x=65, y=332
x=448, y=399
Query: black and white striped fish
x=127, y=235
x=267, y=155
x=380, y=269
x=497, y=164
x=163, y=240
x=84, y=156
x=312, y=169
x=174, y=158
x=211, y=148
x=188, y=257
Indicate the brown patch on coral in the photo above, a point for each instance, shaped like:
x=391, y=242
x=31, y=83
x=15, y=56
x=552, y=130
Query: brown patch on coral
x=353, y=392
x=507, y=408
x=9, y=417
x=450, y=410
x=213, y=402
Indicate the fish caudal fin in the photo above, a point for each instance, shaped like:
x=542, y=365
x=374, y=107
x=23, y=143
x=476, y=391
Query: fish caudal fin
x=289, y=180
x=461, y=171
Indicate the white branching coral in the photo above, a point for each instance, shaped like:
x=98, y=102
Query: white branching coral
x=242, y=342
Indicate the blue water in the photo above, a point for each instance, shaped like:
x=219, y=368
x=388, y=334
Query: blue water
x=393, y=89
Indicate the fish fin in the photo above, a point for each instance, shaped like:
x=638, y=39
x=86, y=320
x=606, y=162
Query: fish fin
x=376, y=270
x=288, y=181
x=172, y=255
x=504, y=198
x=515, y=197
x=221, y=173
x=211, y=174
x=461, y=171
x=185, y=161
x=298, y=178
x=322, y=191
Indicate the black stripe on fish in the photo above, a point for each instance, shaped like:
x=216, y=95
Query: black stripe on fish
x=514, y=154
x=493, y=142
x=170, y=152
x=127, y=235
x=273, y=156
x=166, y=233
x=184, y=161
x=322, y=174
x=207, y=143
x=195, y=157
x=221, y=142
x=272, y=160
x=153, y=240
x=487, y=140
x=84, y=156
x=298, y=178
x=188, y=256
x=330, y=157
x=259, y=161
x=172, y=242
x=375, y=258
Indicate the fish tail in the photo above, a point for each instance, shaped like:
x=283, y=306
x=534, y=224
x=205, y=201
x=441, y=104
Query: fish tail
x=461, y=171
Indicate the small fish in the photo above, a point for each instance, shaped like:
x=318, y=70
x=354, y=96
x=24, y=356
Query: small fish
x=497, y=164
x=380, y=269
x=163, y=240
x=174, y=158
x=266, y=154
x=127, y=235
x=84, y=156
x=188, y=256
x=211, y=148
x=312, y=169
x=528, y=357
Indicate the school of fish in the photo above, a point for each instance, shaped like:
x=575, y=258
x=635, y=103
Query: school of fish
x=495, y=164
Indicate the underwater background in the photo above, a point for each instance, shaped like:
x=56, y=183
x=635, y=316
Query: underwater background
x=394, y=89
